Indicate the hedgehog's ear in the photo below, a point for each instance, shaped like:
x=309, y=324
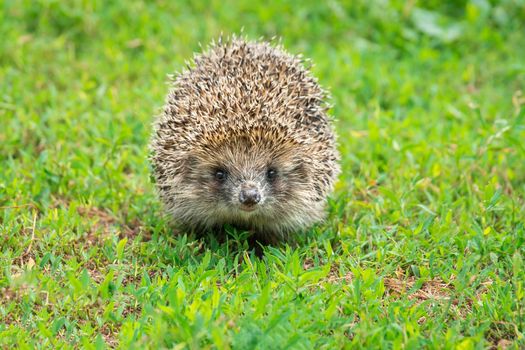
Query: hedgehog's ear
x=189, y=166
x=300, y=169
x=195, y=164
x=191, y=161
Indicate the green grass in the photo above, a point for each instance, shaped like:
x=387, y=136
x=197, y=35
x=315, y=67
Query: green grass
x=424, y=245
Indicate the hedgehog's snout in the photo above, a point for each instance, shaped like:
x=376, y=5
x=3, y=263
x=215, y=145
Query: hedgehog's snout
x=249, y=196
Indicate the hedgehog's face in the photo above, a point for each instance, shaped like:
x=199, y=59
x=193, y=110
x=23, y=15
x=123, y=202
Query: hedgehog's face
x=245, y=181
x=243, y=189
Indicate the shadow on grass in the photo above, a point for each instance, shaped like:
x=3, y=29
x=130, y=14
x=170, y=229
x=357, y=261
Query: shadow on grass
x=170, y=245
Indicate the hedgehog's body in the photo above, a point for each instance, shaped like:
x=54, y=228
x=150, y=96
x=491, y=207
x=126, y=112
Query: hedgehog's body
x=244, y=140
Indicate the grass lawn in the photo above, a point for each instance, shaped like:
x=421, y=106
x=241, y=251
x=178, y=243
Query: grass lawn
x=424, y=245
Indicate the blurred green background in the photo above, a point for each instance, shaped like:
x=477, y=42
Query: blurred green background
x=428, y=97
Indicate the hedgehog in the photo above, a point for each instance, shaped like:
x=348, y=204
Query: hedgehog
x=245, y=140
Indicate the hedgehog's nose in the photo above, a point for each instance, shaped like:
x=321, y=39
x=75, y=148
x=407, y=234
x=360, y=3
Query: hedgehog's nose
x=249, y=196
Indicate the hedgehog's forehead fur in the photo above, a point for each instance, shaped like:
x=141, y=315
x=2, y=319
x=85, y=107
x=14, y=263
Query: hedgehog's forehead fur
x=257, y=144
x=245, y=105
x=250, y=154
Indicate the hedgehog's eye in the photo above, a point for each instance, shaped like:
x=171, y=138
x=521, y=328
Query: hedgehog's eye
x=271, y=174
x=220, y=175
